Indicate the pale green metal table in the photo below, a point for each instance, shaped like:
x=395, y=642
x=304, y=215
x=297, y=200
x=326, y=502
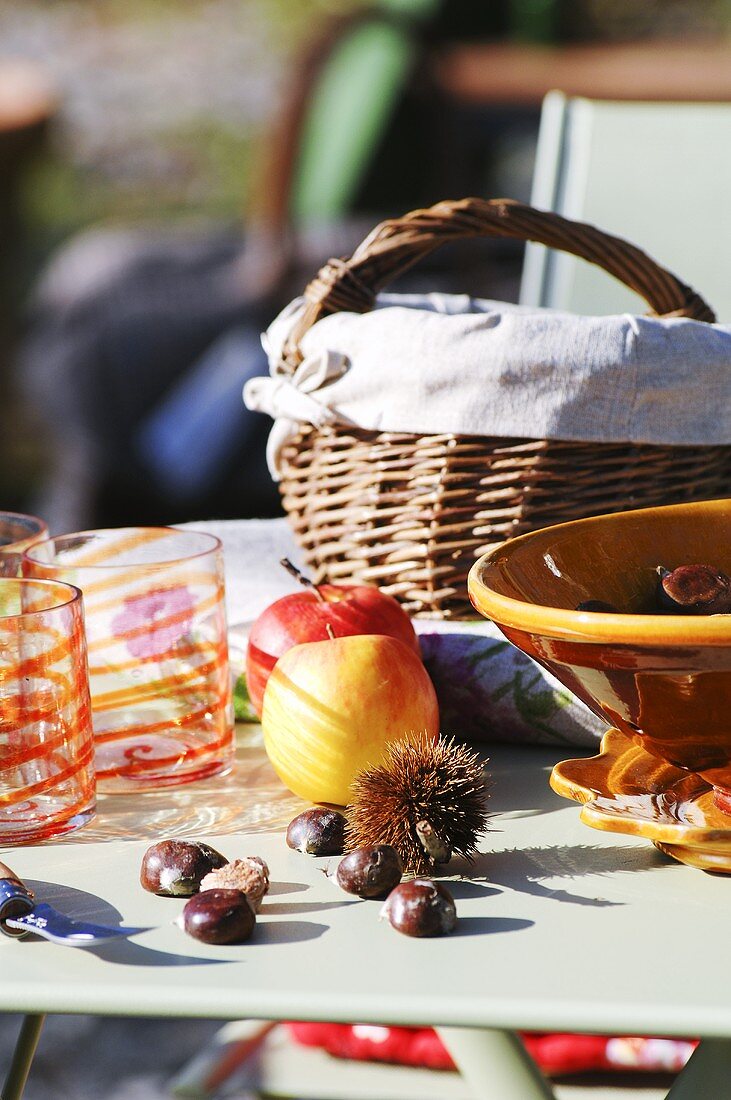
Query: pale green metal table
x=561, y=928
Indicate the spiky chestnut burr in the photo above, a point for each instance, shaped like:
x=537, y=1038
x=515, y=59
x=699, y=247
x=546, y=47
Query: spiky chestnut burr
x=427, y=800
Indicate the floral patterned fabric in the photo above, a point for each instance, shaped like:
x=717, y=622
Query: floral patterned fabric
x=490, y=691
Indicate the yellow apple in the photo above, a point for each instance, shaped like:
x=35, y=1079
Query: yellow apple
x=331, y=707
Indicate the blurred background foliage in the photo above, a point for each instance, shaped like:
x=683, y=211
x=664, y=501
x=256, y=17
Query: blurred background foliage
x=165, y=101
x=162, y=102
x=167, y=111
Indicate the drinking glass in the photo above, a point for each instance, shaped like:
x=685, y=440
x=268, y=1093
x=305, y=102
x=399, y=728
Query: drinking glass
x=158, y=656
x=46, y=737
x=17, y=532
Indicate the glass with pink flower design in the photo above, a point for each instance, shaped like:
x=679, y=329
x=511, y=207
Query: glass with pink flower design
x=158, y=656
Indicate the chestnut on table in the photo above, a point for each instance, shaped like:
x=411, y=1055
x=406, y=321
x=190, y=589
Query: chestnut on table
x=558, y=928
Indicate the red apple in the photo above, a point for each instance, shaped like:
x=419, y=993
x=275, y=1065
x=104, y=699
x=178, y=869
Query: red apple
x=330, y=709
x=315, y=614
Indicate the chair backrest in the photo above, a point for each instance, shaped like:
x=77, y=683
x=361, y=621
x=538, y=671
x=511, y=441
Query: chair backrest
x=657, y=174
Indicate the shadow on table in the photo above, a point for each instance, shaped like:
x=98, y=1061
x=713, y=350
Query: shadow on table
x=76, y=904
x=83, y=906
x=524, y=870
x=486, y=926
x=511, y=780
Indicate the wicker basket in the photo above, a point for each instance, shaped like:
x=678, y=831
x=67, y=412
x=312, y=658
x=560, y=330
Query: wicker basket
x=411, y=513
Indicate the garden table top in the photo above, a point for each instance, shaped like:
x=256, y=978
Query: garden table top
x=560, y=927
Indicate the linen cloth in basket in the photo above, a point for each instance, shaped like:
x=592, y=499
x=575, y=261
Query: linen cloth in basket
x=437, y=364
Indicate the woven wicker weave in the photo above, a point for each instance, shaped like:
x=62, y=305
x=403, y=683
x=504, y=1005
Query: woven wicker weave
x=411, y=513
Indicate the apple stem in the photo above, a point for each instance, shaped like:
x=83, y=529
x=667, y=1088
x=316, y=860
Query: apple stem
x=303, y=580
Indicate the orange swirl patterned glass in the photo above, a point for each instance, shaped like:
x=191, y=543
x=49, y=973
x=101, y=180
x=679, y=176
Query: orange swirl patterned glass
x=158, y=656
x=17, y=533
x=46, y=739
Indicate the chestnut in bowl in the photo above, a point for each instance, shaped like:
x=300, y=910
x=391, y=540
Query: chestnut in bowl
x=662, y=679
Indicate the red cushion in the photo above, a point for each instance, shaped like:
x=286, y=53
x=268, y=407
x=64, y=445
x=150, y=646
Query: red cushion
x=555, y=1054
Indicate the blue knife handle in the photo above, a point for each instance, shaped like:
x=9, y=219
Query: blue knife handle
x=15, y=900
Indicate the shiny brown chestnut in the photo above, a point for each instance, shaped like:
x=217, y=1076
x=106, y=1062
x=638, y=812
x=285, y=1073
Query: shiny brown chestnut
x=369, y=872
x=175, y=868
x=597, y=606
x=420, y=907
x=694, y=590
x=218, y=917
x=319, y=831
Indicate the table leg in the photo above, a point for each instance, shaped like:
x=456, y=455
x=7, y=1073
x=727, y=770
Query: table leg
x=495, y=1064
x=707, y=1072
x=212, y=1067
x=25, y=1048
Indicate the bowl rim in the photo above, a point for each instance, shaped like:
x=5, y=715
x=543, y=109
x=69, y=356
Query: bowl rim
x=592, y=626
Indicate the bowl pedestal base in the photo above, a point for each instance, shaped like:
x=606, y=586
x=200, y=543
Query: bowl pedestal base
x=626, y=790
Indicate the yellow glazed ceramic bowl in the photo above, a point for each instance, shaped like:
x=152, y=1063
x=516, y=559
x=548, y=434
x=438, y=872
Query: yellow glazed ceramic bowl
x=664, y=680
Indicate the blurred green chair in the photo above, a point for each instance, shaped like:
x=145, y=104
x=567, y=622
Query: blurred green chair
x=658, y=174
x=342, y=98
x=349, y=110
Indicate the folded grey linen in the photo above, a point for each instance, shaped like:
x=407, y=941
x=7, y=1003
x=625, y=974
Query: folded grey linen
x=443, y=363
x=487, y=689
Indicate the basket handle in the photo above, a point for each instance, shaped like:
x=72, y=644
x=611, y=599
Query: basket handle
x=397, y=244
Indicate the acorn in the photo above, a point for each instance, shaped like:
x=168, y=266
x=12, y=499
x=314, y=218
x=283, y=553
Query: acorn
x=427, y=800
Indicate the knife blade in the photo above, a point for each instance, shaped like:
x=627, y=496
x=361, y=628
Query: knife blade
x=21, y=914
